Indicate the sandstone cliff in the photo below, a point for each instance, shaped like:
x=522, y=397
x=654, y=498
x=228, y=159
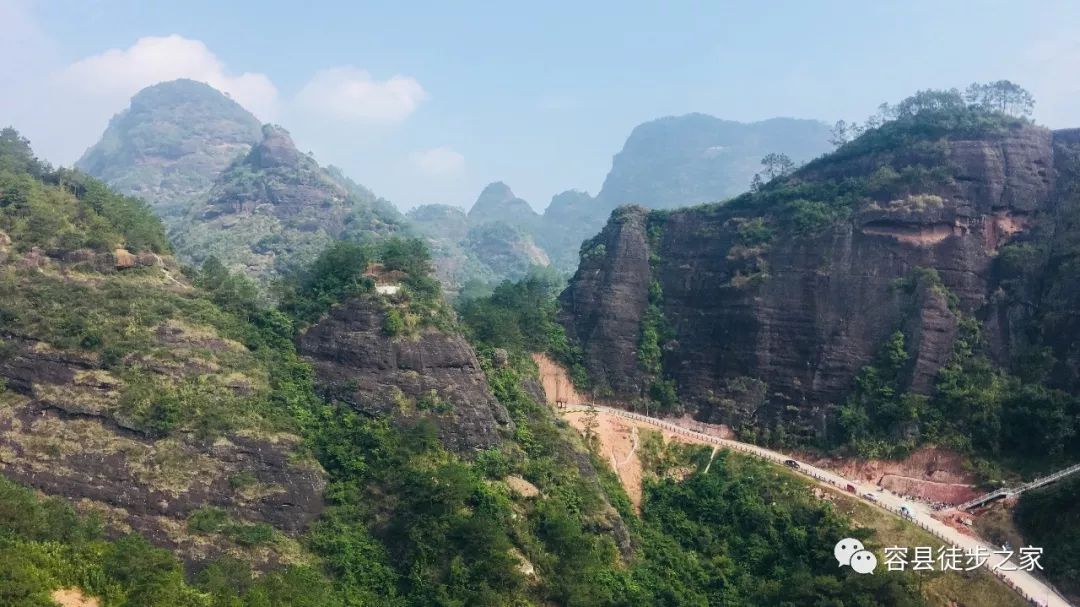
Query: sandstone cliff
x=432, y=374
x=772, y=303
x=92, y=425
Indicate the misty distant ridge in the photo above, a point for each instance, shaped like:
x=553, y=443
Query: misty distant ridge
x=670, y=162
x=163, y=147
x=178, y=140
x=694, y=158
x=686, y=160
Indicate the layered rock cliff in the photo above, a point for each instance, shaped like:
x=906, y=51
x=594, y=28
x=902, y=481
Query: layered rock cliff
x=126, y=390
x=432, y=374
x=767, y=307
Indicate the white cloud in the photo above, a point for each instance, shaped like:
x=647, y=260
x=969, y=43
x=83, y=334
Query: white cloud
x=442, y=161
x=117, y=74
x=350, y=94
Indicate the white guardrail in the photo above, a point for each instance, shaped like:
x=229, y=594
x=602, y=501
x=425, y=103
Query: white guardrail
x=779, y=459
x=1008, y=492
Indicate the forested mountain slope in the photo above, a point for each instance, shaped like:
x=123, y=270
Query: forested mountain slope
x=379, y=461
x=229, y=187
x=491, y=243
x=127, y=389
x=275, y=209
x=170, y=144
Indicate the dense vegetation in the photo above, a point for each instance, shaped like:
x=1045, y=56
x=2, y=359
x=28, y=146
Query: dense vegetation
x=476, y=250
x=275, y=209
x=407, y=522
x=711, y=539
x=975, y=408
x=746, y=534
x=1050, y=518
x=346, y=269
x=520, y=317
x=63, y=209
x=45, y=545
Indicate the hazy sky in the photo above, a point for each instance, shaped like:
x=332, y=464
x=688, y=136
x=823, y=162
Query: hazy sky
x=427, y=102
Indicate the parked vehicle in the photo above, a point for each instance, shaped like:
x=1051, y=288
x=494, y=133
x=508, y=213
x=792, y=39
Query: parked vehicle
x=790, y=463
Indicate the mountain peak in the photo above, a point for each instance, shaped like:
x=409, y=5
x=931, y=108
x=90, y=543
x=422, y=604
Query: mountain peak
x=498, y=203
x=182, y=90
x=496, y=191
x=170, y=144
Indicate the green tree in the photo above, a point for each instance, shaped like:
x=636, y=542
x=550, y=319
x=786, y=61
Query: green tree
x=777, y=165
x=1001, y=96
x=928, y=102
x=841, y=133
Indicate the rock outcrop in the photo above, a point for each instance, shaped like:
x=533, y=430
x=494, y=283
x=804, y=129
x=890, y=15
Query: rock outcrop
x=605, y=304
x=432, y=374
x=63, y=433
x=768, y=329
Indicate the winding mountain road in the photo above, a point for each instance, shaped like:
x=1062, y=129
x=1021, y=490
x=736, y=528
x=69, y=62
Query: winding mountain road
x=1024, y=583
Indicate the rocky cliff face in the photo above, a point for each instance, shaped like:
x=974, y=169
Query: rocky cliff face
x=49, y=441
x=432, y=375
x=1051, y=283
x=766, y=320
x=71, y=425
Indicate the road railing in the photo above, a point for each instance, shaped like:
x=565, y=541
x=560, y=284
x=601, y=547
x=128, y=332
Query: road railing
x=806, y=471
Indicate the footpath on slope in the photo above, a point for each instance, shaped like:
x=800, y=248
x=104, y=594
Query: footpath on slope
x=1032, y=589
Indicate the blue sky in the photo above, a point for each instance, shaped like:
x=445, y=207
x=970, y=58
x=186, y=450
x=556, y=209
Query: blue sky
x=427, y=102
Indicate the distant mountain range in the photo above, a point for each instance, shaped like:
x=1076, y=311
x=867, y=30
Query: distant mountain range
x=227, y=186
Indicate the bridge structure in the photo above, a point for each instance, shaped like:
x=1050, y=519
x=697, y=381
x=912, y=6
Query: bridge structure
x=1011, y=491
